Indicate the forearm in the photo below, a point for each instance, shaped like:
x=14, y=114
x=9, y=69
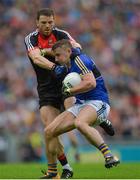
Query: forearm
x=43, y=62
x=82, y=88
x=40, y=60
x=88, y=82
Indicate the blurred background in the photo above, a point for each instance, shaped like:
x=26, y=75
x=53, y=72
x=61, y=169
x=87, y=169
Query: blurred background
x=109, y=31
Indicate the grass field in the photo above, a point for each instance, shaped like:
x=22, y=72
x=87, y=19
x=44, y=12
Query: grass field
x=81, y=171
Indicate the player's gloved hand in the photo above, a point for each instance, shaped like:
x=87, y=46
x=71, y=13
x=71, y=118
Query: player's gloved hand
x=42, y=52
x=59, y=70
x=66, y=91
x=75, y=52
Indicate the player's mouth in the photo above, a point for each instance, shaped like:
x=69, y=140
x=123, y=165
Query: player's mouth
x=47, y=31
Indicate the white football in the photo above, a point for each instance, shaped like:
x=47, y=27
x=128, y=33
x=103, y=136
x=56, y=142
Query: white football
x=72, y=79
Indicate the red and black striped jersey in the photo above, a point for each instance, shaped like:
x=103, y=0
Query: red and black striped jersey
x=47, y=82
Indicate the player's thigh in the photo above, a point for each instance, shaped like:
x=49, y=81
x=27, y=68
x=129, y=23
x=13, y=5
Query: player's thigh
x=87, y=115
x=48, y=114
x=62, y=123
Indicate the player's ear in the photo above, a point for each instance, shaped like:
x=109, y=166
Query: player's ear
x=69, y=50
x=53, y=24
x=37, y=23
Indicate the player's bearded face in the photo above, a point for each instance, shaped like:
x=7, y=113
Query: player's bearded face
x=45, y=25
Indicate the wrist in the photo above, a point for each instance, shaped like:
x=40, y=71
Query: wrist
x=53, y=67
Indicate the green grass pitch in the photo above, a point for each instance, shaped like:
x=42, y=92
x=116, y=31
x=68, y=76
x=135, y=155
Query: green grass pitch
x=81, y=171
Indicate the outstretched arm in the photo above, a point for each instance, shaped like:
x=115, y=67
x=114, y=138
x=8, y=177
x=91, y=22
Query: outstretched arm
x=40, y=60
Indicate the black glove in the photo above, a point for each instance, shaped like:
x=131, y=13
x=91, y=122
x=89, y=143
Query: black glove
x=59, y=70
x=66, y=91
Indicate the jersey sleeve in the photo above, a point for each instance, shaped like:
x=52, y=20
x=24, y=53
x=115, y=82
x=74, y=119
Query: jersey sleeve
x=84, y=64
x=30, y=42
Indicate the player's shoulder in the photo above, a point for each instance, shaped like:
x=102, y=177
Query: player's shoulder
x=61, y=31
x=31, y=39
x=61, y=34
x=32, y=34
x=85, y=58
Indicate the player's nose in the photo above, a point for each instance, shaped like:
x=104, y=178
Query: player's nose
x=47, y=25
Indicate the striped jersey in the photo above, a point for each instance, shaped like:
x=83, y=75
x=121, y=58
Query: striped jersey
x=48, y=84
x=83, y=64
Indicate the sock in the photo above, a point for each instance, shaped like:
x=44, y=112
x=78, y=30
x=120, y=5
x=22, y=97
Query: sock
x=64, y=162
x=105, y=150
x=63, y=159
x=52, y=169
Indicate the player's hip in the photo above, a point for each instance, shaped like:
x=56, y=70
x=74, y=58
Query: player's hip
x=100, y=96
x=55, y=101
x=102, y=108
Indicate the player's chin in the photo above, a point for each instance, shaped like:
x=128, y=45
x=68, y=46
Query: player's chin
x=46, y=33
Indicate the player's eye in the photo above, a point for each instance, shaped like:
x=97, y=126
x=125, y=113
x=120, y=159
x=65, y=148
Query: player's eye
x=50, y=22
x=42, y=22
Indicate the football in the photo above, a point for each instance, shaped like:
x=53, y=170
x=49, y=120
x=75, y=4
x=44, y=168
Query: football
x=72, y=79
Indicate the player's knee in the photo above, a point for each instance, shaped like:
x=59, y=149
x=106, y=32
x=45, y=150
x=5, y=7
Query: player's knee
x=48, y=133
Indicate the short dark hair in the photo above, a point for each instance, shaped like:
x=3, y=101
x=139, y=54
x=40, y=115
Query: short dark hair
x=45, y=12
x=60, y=43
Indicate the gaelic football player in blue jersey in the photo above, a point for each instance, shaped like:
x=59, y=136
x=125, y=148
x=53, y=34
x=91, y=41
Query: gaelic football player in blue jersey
x=91, y=106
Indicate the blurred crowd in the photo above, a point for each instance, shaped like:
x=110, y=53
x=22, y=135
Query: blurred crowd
x=108, y=30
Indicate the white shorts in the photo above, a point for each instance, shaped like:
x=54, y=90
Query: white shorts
x=101, y=108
